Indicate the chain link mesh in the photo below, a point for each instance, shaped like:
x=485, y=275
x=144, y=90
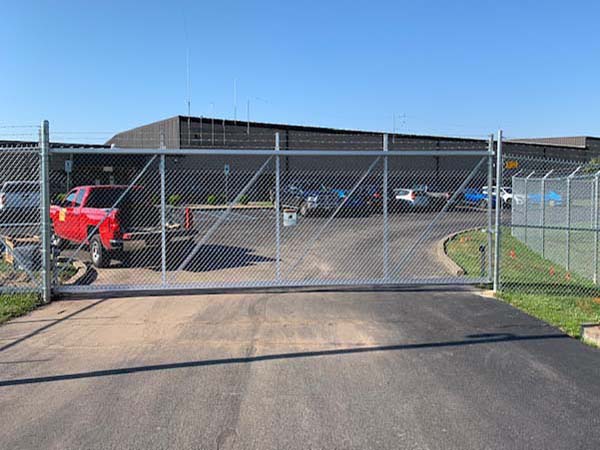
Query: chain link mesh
x=223, y=227
x=20, y=261
x=549, y=239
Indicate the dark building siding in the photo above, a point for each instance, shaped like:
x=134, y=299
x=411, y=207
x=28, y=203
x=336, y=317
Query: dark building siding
x=149, y=136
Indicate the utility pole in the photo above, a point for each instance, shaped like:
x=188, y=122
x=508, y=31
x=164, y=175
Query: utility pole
x=248, y=115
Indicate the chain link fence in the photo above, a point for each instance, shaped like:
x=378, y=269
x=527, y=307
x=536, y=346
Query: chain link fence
x=135, y=219
x=549, y=239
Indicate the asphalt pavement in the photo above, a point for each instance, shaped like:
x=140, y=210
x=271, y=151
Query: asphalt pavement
x=409, y=369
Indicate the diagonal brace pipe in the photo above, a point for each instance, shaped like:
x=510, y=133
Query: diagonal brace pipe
x=223, y=216
x=410, y=254
x=308, y=248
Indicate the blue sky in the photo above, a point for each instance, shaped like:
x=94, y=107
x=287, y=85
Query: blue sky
x=462, y=68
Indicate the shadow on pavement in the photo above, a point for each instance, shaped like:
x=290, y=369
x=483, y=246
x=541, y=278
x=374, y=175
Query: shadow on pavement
x=487, y=338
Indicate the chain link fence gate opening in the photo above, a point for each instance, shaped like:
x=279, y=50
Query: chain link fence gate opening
x=157, y=219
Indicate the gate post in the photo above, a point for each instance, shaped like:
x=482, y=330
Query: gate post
x=277, y=210
x=595, y=222
x=490, y=181
x=386, y=263
x=163, y=216
x=568, y=243
x=499, y=175
x=46, y=270
x=543, y=215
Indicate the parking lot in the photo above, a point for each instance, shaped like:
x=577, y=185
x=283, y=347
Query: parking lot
x=347, y=248
x=417, y=369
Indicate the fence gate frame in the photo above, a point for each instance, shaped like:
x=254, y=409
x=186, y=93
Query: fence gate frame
x=49, y=285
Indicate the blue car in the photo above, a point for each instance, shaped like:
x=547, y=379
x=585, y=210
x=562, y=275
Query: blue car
x=364, y=199
x=551, y=198
x=476, y=197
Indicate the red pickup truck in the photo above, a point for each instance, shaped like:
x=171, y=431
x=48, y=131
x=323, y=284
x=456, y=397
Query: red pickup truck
x=134, y=224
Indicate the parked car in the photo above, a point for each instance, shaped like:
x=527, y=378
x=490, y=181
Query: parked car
x=19, y=202
x=410, y=199
x=133, y=225
x=476, y=197
x=438, y=197
x=365, y=199
x=308, y=197
x=506, y=195
x=551, y=198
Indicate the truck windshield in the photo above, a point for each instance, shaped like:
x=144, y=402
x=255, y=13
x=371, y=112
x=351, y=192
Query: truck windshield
x=106, y=198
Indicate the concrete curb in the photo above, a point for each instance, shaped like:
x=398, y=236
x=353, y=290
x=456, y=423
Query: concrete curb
x=590, y=333
x=448, y=262
x=82, y=270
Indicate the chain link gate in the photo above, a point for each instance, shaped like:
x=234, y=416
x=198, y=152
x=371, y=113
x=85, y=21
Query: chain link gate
x=22, y=267
x=156, y=219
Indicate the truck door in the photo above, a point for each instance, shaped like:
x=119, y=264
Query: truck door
x=78, y=218
x=62, y=226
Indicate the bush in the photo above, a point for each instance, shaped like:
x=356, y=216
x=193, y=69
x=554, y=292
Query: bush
x=212, y=199
x=244, y=199
x=174, y=199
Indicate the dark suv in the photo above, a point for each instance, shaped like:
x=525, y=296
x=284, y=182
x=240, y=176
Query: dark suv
x=308, y=197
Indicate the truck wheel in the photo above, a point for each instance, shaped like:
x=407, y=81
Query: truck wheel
x=483, y=204
x=100, y=256
x=57, y=241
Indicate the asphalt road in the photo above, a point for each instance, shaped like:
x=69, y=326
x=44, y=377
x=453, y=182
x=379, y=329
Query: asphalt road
x=243, y=249
x=421, y=369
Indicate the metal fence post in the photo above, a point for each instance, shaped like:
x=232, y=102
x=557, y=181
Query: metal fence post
x=163, y=214
x=526, y=207
x=386, y=262
x=490, y=181
x=46, y=268
x=595, y=222
x=543, y=215
x=499, y=175
x=277, y=209
x=568, y=243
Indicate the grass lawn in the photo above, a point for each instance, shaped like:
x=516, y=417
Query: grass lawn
x=14, y=305
x=533, y=284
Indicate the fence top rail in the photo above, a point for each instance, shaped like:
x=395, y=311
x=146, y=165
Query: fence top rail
x=577, y=177
x=265, y=152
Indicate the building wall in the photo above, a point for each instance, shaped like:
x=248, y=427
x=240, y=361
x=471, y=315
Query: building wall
x=149, y=136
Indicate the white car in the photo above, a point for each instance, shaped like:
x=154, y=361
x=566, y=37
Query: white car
x=411, y=198
x=506, y=194
x=19, y=201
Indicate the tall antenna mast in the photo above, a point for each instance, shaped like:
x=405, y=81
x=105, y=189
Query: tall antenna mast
x=189, y=99
x=248, y=114
x=188, y=82
x=189, y=95
x=235, y=100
